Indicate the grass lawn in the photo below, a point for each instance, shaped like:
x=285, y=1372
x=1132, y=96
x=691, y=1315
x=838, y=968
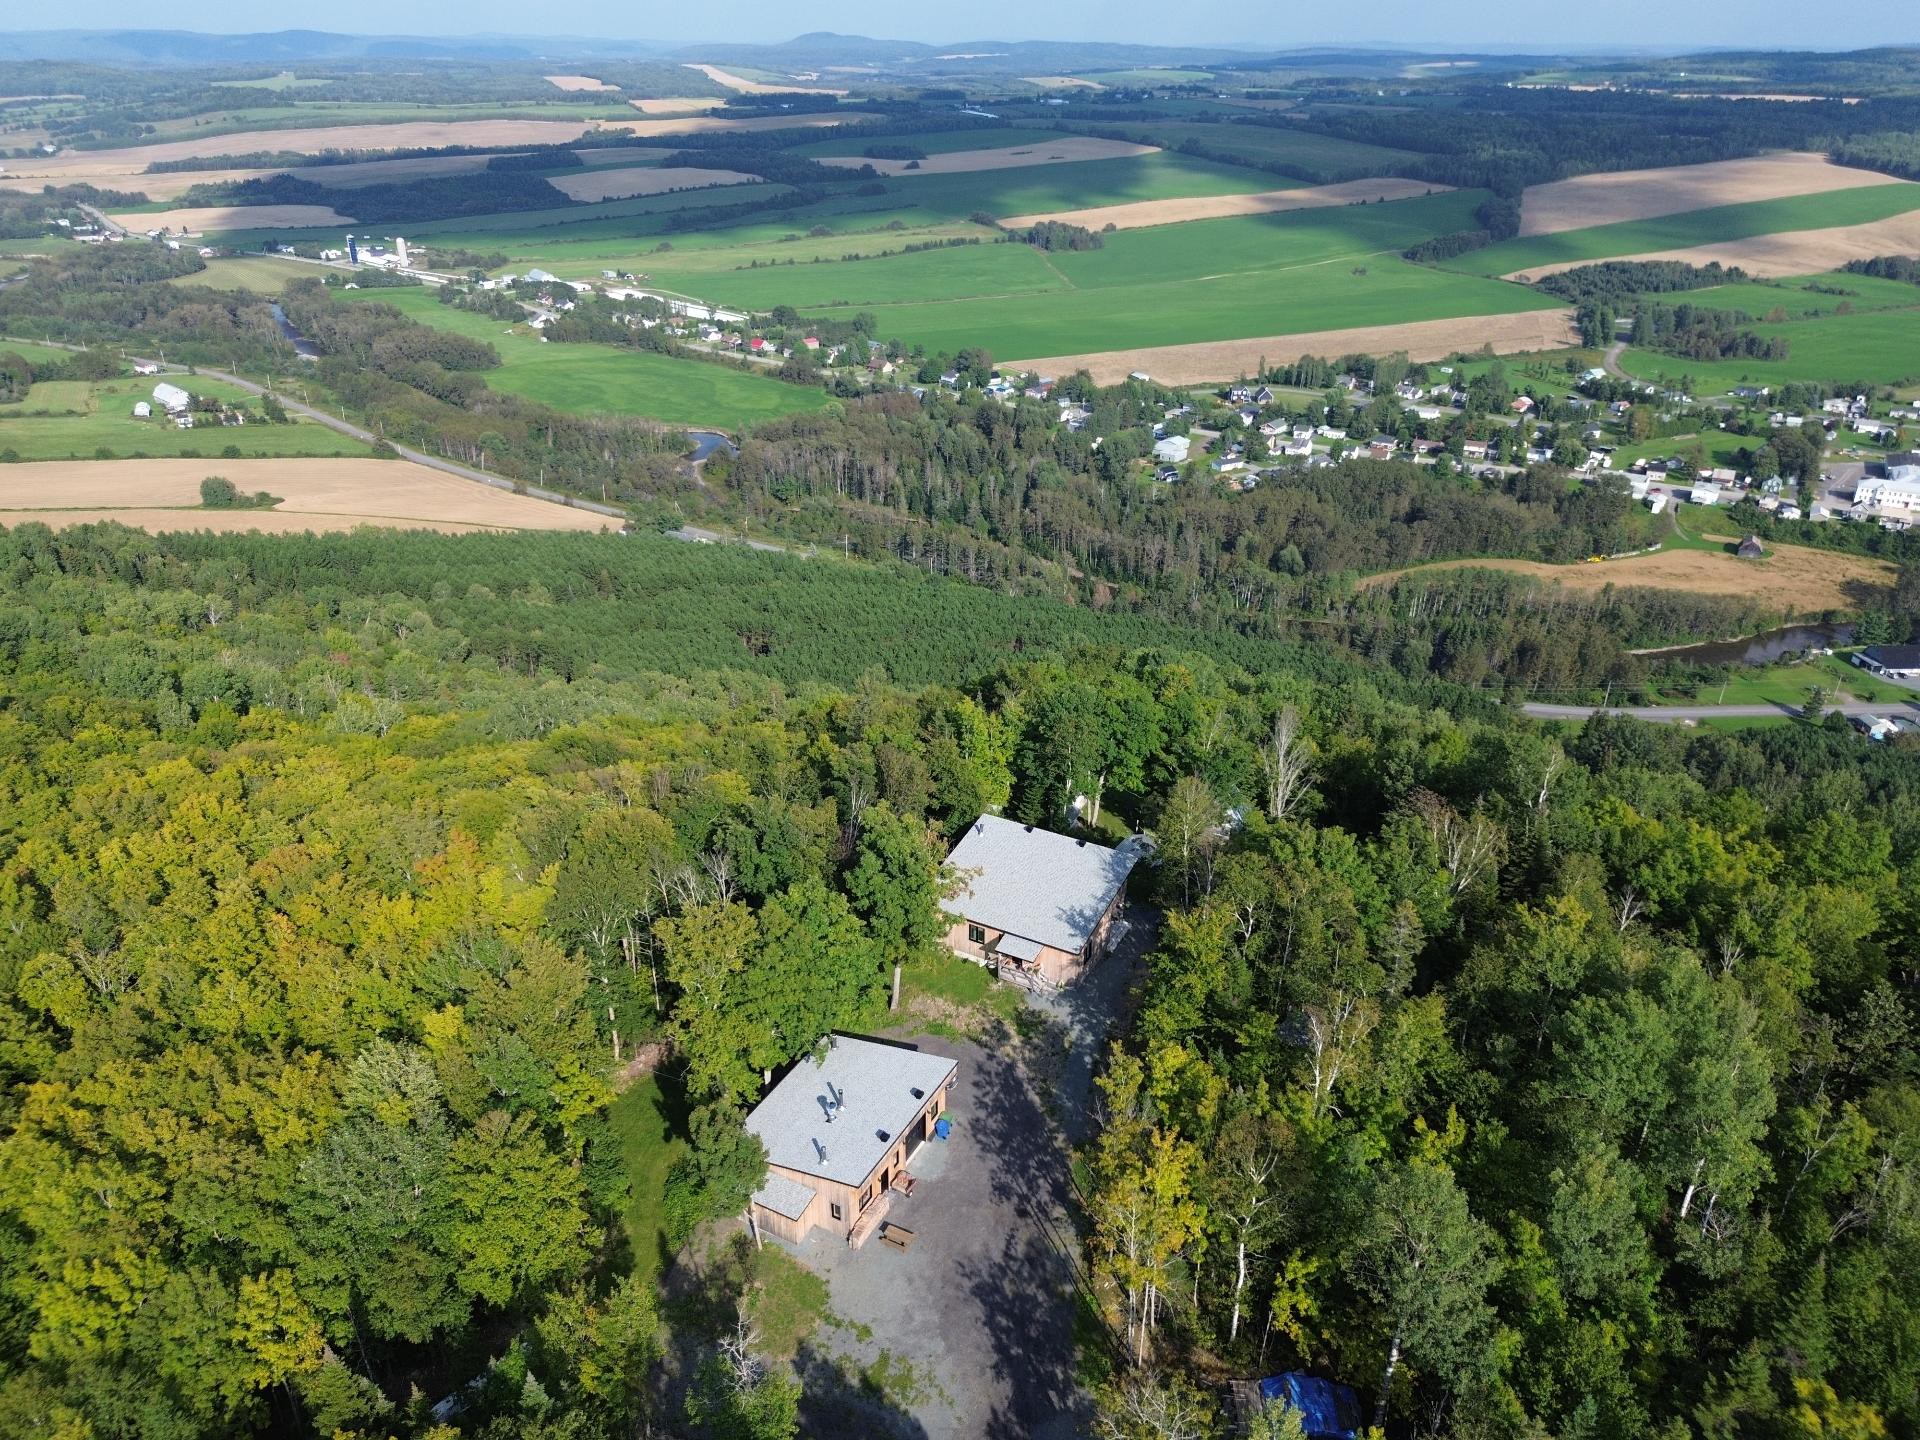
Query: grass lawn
x=77, y=419
x=645, y=1118
x=1788, y=685
x=600, y=379
x=255, y=274
x=1719, y=447
x=1694, y=227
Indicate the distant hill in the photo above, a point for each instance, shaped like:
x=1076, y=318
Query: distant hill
x=187, y=47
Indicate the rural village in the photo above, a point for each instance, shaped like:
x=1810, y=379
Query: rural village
x=1038, y=738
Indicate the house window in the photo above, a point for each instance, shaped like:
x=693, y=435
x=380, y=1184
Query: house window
x=834, y=1206
x=977, y=934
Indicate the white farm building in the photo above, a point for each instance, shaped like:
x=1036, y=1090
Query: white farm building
x=171, y=398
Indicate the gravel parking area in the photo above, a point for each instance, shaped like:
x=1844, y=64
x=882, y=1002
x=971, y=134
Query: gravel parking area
x=981, y=1305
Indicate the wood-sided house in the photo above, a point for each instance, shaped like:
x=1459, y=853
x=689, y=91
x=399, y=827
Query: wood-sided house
x=1033, y=905
x=839, y=1130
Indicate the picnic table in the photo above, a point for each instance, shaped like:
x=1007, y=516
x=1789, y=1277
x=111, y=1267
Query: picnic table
x=897, y=1236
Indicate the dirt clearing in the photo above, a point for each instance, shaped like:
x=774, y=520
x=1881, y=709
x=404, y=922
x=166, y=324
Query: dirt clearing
x=316, y=495
x=1138, y=214
x=1223, y=359
x=1790, y=252
x=573, y=83
x=1065, y=150
x=755, y=87
x=645, y=180
x=235, y=217
x=1589, y=200
x=1791, y=577
x=1062, y=82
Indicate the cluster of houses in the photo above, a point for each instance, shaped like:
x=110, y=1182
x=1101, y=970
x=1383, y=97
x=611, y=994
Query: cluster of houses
x=1038, y=909
x=178, y=406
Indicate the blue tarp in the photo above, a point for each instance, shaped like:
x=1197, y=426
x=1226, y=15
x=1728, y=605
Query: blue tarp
x=1328, y=1411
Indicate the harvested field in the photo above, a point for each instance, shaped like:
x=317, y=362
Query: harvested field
x=384, y=172
x=1589, y=200
x=692, y=124
x=1067, y=149
x=1222, y=359
x=684, y=105
x=74, y=165
x=169, y=185
x=1792, y=577
x=755, y=87
x=316, y=495
x=1788, y=252
x=573, y=83
x=235, y=217
x=618, y=184
x=1139, y=214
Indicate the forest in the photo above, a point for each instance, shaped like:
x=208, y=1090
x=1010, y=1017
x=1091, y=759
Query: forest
x=1537, y=1082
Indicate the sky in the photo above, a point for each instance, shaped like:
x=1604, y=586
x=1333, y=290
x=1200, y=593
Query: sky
x=1455, y=24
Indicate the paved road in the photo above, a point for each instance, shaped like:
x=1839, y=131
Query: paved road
x=698, y=535
x=357, y=432
x=1707, y=712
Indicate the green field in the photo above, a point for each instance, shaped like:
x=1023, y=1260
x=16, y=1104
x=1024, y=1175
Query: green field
x=936, y=142
x=255, y=274
x=1694, y=227
x=1797, y=299
x=1214, y=279
x=599, y=379
x=1150, y=76
x=1718, y=447
x=1318, y=158
x=1880, y=347
x=85, y=417
x=644, y=1119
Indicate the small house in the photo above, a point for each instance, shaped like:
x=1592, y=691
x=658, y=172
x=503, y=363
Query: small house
x=1034, y=905
x=839, y=1129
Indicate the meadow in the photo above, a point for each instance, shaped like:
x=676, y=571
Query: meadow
x=1235, y=278
x=1317, y=158
x=1798, y=299
x=89, y=418
x=601, y=379
x=1694, y=227
x=1880, y=347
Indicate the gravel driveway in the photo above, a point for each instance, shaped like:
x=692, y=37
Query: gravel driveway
x=981, y=1306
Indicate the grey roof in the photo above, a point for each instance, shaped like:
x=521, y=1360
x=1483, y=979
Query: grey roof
x=875, y=1084
x=785, y=1197
x=1894, y=657
x=1032, y=882
x=1019, y=947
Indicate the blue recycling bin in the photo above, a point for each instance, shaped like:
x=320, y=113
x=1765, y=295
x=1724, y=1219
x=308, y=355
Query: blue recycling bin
x=942, y=1128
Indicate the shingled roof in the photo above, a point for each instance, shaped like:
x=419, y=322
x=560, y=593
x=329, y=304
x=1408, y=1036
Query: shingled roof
x=1034, y=883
